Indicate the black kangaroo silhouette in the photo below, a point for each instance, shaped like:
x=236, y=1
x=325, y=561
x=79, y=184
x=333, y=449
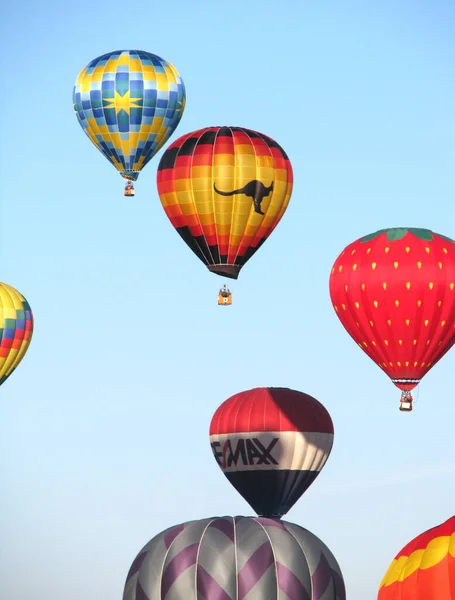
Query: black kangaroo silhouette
x=254, y=189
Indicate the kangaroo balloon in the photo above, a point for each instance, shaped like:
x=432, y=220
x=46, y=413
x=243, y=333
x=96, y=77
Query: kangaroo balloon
x=225, y=189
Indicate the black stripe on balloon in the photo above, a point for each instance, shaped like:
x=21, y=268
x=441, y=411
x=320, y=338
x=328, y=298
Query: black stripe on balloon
x=208, y=137
x=271, y=493
x=270, y=143
x=168, y=159
x=241, y=260
x=226, y=131
x=198, y=245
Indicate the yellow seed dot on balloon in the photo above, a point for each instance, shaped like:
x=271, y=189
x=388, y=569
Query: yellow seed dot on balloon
x=352, y=252
x=358, y=324
x=389, y=322
x=386, y=342
x=439, y=303
x=345, y=288
x=406, y=363
x=340, y=268
x=414, y=342
x=363, y=287
x=376, y=303
x=443, y=323
x=444, y=250
x=391, y=364
x=397, y=303
x=400, y=342
x=365, y=344
x=359, y=344
x=371, y=323
x=333, y=270
x=343, y=306
x=426, y=322
x=419, y=264
x=368, y=250
x=407, y=322
x=419, y=302
x=408, y=285
x=373, y=342
x=408, y=249
x=415, y=364
x=427, y=250
x=440, y=265
x=430, y=285
x=384, y=364
x=399, y=363
x=384, y=285
x=451, y=286
x=428, y=342
x=395, y=264
x=429, y=364
x=336, y=308
x=422, y=364
x=354, y=267
x=373, y=266
x=357, y=305
x=386, y=249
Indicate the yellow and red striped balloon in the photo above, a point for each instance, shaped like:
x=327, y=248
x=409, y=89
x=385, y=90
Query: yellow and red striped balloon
x=16, y=329
x=224, y=189
x=425, y=568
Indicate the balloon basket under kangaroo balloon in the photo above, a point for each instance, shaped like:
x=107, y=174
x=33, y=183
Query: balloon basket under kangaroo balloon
x=224, y=296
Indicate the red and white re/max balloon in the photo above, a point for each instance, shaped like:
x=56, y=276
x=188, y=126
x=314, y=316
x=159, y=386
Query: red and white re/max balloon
x=271, y=443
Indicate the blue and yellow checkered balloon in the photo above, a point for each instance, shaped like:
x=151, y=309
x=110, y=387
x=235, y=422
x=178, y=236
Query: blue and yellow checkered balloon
x=129, y=103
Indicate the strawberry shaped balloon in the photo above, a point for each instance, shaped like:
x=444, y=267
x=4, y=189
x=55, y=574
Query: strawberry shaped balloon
x=394, y=293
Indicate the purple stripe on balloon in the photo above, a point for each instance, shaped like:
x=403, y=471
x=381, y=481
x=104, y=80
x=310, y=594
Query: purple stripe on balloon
x=254, y=569
x=180, y=563
x=339, y=585
x=290, y=584
x=266, y=522
x=140, y=594
x=171, y=534
x=137, y=564
x=226, y=526
x=321, y=578
x=208, y=588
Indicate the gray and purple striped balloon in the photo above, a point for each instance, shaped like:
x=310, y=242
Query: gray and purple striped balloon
x=235, y=558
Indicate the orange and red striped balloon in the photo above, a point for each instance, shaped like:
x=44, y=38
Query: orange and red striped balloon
x=425, y=568
x=225, y=190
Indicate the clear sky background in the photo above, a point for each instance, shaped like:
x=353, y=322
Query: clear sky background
x=104, y=426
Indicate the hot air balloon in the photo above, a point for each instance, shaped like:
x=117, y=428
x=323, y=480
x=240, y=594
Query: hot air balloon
x=129, y=103
x=425, y=568
x=16, y=329
x=224, y=189
x=271, y=443
x=394, y=293
x=235, y=558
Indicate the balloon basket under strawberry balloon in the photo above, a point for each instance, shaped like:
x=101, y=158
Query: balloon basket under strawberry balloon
x=394, y=293
x=271, y=443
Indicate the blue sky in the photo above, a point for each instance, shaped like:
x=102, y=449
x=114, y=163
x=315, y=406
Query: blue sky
x=104, y=426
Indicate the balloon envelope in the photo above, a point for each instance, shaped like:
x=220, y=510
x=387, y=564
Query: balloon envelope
x=16, y=329
x=394, y=293
x=425, y=568
x=224, y=189
x=235, y=558
x=271, y=443
x=129, y=103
